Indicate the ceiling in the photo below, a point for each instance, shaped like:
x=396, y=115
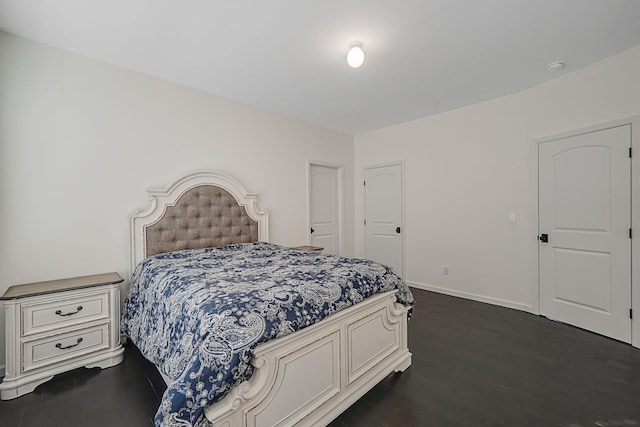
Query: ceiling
x=423, y=57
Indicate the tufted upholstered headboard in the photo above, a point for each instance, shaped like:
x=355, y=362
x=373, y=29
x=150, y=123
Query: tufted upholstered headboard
x=199, y=210
x=203, y=217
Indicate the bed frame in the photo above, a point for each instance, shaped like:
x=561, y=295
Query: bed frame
x=307, y=378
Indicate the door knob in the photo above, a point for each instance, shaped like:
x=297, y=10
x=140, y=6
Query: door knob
x=544, y=238
x=398, y=230
x=312, y=230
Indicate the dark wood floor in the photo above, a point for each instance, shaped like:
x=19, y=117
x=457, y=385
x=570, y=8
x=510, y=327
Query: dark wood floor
x=473, y=365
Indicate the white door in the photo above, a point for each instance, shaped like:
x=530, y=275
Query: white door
x=383, y=216
x=323, y=214
x=585, y=218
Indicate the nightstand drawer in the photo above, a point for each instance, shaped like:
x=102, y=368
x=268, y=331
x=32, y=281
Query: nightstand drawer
x=53, y=349
x=64, y=312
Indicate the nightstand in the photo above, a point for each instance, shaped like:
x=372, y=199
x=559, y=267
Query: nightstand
x=309, y=248
x=53, y=327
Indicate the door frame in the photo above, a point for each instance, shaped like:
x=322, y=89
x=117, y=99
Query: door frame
x=403, y=210
x=634, y=121
x=340, y=169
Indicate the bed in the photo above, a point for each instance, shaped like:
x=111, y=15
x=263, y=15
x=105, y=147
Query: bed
x=295, y=337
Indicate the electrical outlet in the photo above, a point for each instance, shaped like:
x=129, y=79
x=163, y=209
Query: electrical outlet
x=445, y=270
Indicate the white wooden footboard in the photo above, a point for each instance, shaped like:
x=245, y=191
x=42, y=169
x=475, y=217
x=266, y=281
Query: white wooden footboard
x=310, y=377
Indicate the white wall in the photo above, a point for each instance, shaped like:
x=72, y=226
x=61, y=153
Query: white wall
x=468, y=168
x=81, y=141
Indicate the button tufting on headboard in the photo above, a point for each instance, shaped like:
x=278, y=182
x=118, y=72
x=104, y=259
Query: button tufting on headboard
x=204, y=216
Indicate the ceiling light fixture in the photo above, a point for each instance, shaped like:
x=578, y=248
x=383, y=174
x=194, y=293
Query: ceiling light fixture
x=355, y=57
x=555, y=65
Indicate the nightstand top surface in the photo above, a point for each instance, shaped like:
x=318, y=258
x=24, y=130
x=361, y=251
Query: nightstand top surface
x=51, y=286
x=309, y=248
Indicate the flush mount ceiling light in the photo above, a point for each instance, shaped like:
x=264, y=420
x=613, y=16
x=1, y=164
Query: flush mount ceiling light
x=555, y=65
x=355, y=57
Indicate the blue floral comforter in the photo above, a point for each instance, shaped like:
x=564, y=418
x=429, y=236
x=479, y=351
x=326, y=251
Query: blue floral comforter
x=199, y=314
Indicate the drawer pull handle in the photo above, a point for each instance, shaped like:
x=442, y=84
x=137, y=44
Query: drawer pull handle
x=59, y=345
x=71, y=313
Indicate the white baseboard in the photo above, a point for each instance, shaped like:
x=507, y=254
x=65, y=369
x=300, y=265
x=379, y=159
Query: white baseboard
x=472, y=296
